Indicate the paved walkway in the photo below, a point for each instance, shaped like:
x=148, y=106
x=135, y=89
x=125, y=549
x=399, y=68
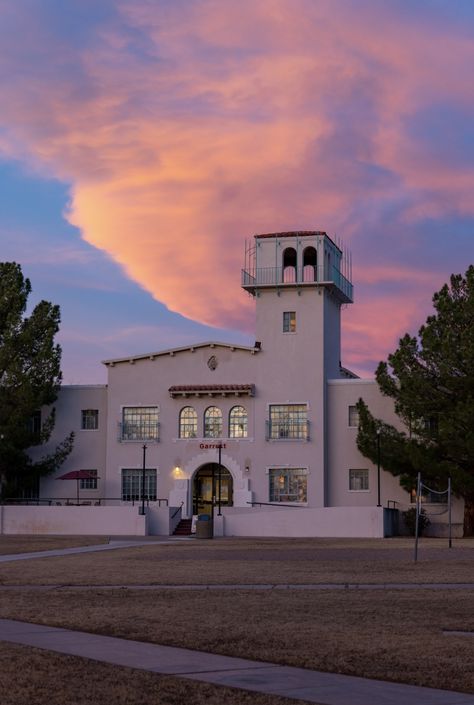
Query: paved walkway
x=249, y=586
x=296, y=683
x=113, y=544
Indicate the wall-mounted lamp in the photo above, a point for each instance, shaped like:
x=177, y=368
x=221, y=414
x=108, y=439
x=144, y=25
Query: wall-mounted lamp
x=177, y=472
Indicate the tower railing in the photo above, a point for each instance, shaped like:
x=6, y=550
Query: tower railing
x=301, y=276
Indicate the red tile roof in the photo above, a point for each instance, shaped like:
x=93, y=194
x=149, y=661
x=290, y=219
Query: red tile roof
x=296, y=233
x=203, y=389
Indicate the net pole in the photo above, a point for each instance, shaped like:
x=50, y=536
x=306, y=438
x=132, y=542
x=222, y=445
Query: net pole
x=450, y=541
x=417, y=513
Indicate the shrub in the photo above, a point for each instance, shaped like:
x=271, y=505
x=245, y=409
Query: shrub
x=410, y=520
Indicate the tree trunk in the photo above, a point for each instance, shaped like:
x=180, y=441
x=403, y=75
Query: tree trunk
x=469, y=515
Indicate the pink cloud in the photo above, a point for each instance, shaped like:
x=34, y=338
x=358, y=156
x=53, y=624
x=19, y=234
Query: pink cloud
x=241, y=117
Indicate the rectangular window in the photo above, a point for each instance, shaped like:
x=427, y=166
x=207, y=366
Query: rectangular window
x=358, y=480
x=430, y=496
x=140, y=423
x=90, y=419
x=353, y=416
x=132, y=481
x=430, y=425
x=89, y=483
x=289, y=322
x=288, y=421
x=288, y=485
x=34, y=424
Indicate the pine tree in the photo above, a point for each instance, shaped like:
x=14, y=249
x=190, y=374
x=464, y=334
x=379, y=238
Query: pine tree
x=431, y=380
x=30, y=378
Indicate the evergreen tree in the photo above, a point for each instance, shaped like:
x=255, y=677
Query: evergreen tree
x=431, y=380
x=30, y=377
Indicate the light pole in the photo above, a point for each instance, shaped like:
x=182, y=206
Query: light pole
x=219, y=513
x=143, y=480
x=378, y=468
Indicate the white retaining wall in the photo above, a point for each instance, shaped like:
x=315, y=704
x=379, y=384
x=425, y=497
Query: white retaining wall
x=334, y=522
x=75, y=520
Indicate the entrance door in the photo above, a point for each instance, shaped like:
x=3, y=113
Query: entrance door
x=212, y=482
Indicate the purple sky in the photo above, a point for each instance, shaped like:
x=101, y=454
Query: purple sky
x=142, y=142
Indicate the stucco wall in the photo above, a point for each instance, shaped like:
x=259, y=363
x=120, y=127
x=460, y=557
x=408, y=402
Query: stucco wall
x=337, y=522
x=89, y=445
x=75, y=520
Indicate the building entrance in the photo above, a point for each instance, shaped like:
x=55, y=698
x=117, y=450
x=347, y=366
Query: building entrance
x=212, y=483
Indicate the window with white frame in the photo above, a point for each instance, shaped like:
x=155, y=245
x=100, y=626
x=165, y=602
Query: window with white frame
x=289, y=321
x=188, y=422
x=90, y=419
x=238, y=422
x=288, y=484
x=358, y=480
x=213, y=422
x=89, y=483
x=288, y=421
x=140, y=423
x=132, y=482
x=353, y=416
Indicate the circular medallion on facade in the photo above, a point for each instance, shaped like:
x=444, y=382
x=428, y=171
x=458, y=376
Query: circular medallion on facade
x=212, y=362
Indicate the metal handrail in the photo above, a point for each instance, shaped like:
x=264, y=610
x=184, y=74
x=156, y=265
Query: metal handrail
x=275, y=504
x=177, y=510
x=288, y=276
x=69, y=501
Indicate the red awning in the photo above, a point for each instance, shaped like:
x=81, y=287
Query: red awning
x=78, y=475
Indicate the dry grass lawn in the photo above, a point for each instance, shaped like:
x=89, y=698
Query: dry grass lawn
x=28, y=544
x=56, y=679
x=249, y=561
x=388, y=634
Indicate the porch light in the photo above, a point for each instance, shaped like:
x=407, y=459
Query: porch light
x=177, y=471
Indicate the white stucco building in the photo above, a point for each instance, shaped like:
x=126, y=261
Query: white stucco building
x=267, y=433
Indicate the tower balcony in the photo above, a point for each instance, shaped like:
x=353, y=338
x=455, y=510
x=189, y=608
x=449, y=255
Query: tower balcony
x=326, y=276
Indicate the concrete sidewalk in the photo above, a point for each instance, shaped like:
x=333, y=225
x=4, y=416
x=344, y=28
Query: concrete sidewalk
x=296, y=683
x=243, y=586
x=113, y=544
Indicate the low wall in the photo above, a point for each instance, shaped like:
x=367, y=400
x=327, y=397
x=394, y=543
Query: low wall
x=331, y=522
x=161, y=521
x=75, y=520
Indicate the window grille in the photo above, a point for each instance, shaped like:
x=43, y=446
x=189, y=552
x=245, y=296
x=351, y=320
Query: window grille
x=289, y=322
x=89, y=483
x=188, y=422
x=132, y=480
x=212, y=422
x=288, y=421
x=353, y=416
x=288, y=485
x=358, y=480
x=238, y=422
x=140, y=423
x=89, y=419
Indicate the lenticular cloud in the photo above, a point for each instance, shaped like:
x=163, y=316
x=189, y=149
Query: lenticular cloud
x=184, y=128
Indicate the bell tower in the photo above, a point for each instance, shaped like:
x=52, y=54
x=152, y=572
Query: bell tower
x=299, y=281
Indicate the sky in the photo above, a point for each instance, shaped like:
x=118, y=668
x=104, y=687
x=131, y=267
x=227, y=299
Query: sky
x=142, y=142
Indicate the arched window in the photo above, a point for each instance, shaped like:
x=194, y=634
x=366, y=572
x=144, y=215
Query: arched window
x=212, y=422
x=238, y=422
x=188, y=422
x=289, y=265
x=310, y=263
